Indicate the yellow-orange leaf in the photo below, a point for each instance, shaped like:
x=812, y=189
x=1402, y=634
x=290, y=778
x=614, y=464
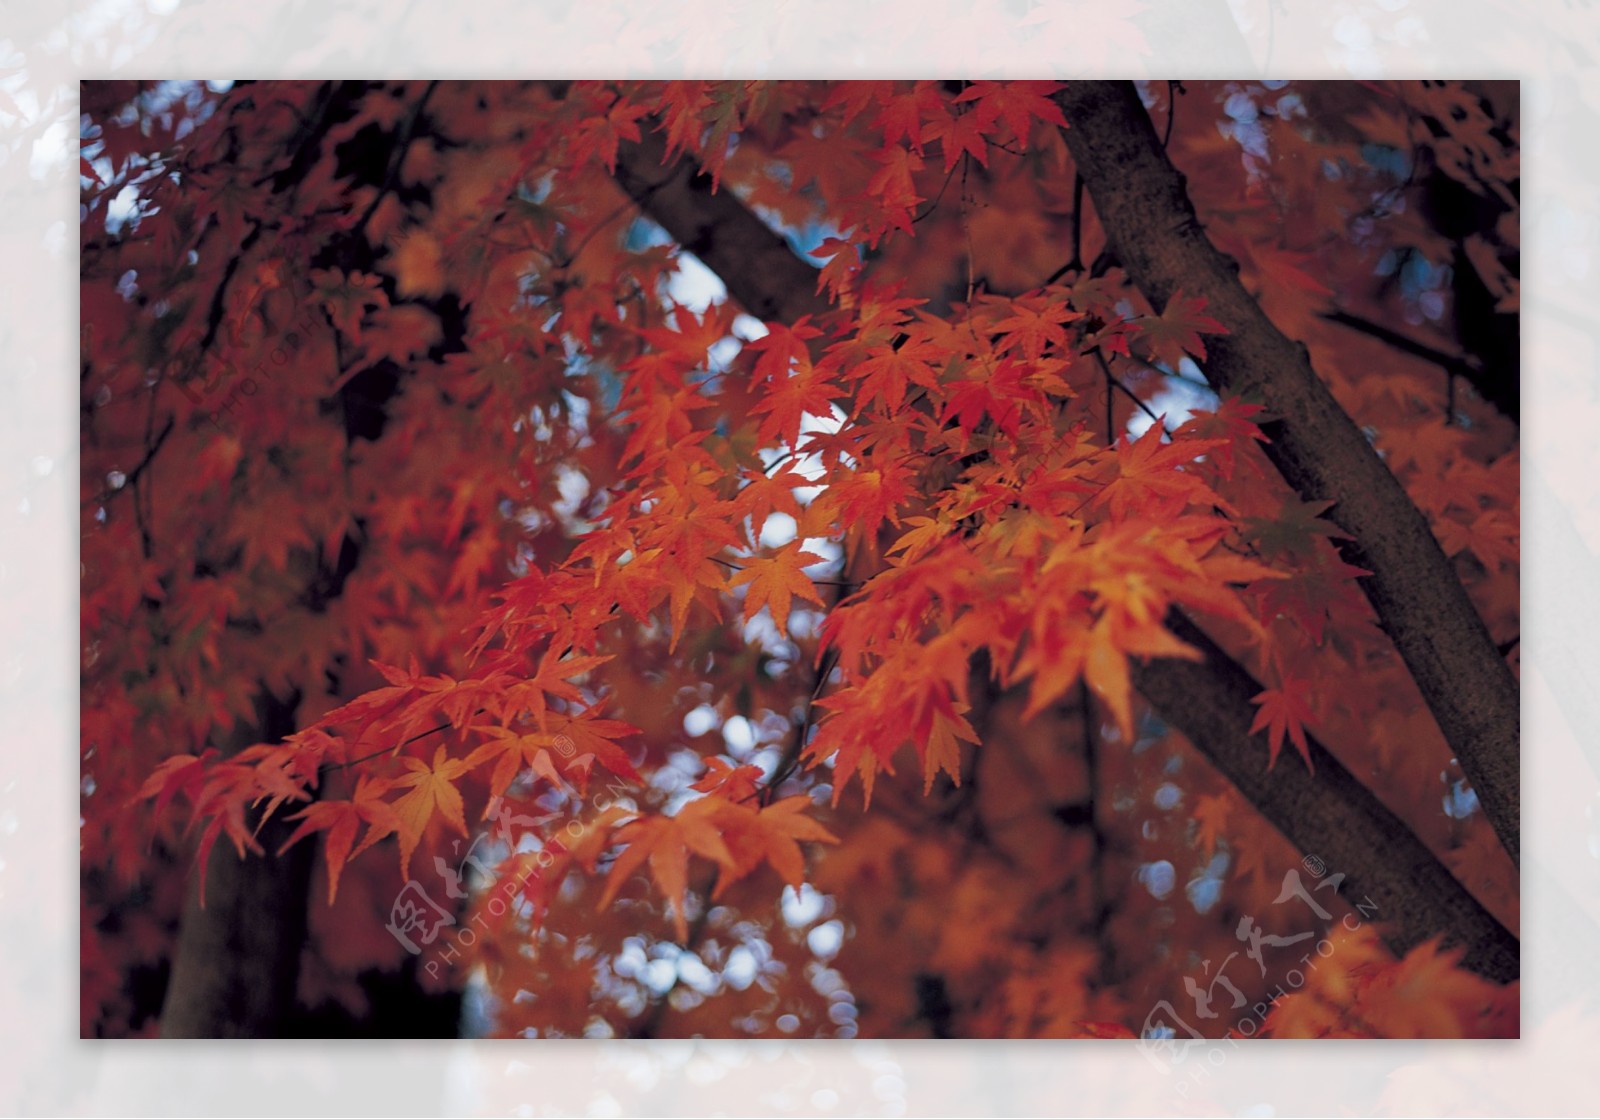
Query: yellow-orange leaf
x=433, y=790
x=775, y=581
x=666, y=842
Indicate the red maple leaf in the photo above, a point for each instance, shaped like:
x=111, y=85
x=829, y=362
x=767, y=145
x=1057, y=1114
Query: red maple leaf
x=1176, y=331
x=1284, y=711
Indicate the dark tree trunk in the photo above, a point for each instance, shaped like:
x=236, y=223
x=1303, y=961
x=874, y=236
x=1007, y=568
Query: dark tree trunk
x=1421, y=604
x=238, y=958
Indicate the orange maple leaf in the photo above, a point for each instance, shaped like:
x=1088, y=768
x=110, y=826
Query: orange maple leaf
x=600, y=134
x=773, y=834
x=1152, y=479
x=341, y=819
x=1016, y=105
x=961, y=134
x=513, y=752
x=590, y=736
x=809, y=391
x=894, y=186
x=433, y=790
x=666, y=841
x=775, y=581
x=1035, y=324
x=735, y=783
x=942, y=750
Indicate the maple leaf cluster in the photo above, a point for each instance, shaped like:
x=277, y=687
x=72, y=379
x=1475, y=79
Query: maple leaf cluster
x=491, y=437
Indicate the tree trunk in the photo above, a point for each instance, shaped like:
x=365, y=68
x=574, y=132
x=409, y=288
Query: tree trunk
x=238, y=957
x=236, y=966
x=1420, y=603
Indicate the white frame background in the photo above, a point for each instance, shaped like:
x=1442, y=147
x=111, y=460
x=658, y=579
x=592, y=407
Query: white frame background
x=47, y=46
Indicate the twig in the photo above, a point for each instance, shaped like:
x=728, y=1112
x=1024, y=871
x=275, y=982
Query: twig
x=1075, y=264
x=790, y=761
x=331, y=767
x=1173, y=89
x=1114, y=383
x=818, y=582
x=392, y=175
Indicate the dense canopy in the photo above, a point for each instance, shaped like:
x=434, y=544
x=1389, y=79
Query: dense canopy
x=882, y=559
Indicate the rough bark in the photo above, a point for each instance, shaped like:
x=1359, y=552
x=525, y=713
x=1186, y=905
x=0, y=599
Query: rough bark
x=1327, y=813
x=238, y=960
x=1330, y=814
x=1420, y=603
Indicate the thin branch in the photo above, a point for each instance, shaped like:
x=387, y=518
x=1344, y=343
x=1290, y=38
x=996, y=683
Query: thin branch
x=105, y=495
x=1496, y=391
x=758, y=267
x=1075, y=262
x=934, y=204
x=1453, y=362
x=570, y=258
x=790, y=761
x=391, y=177
x=818, y=582
x=330, y=767
x=1115, y=382
x=1173, y=89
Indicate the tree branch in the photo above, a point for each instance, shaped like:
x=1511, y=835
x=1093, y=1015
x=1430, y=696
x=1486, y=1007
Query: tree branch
x=1420, y=602
x=1332, y=815
x=1496, y=390
x=759, y=268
